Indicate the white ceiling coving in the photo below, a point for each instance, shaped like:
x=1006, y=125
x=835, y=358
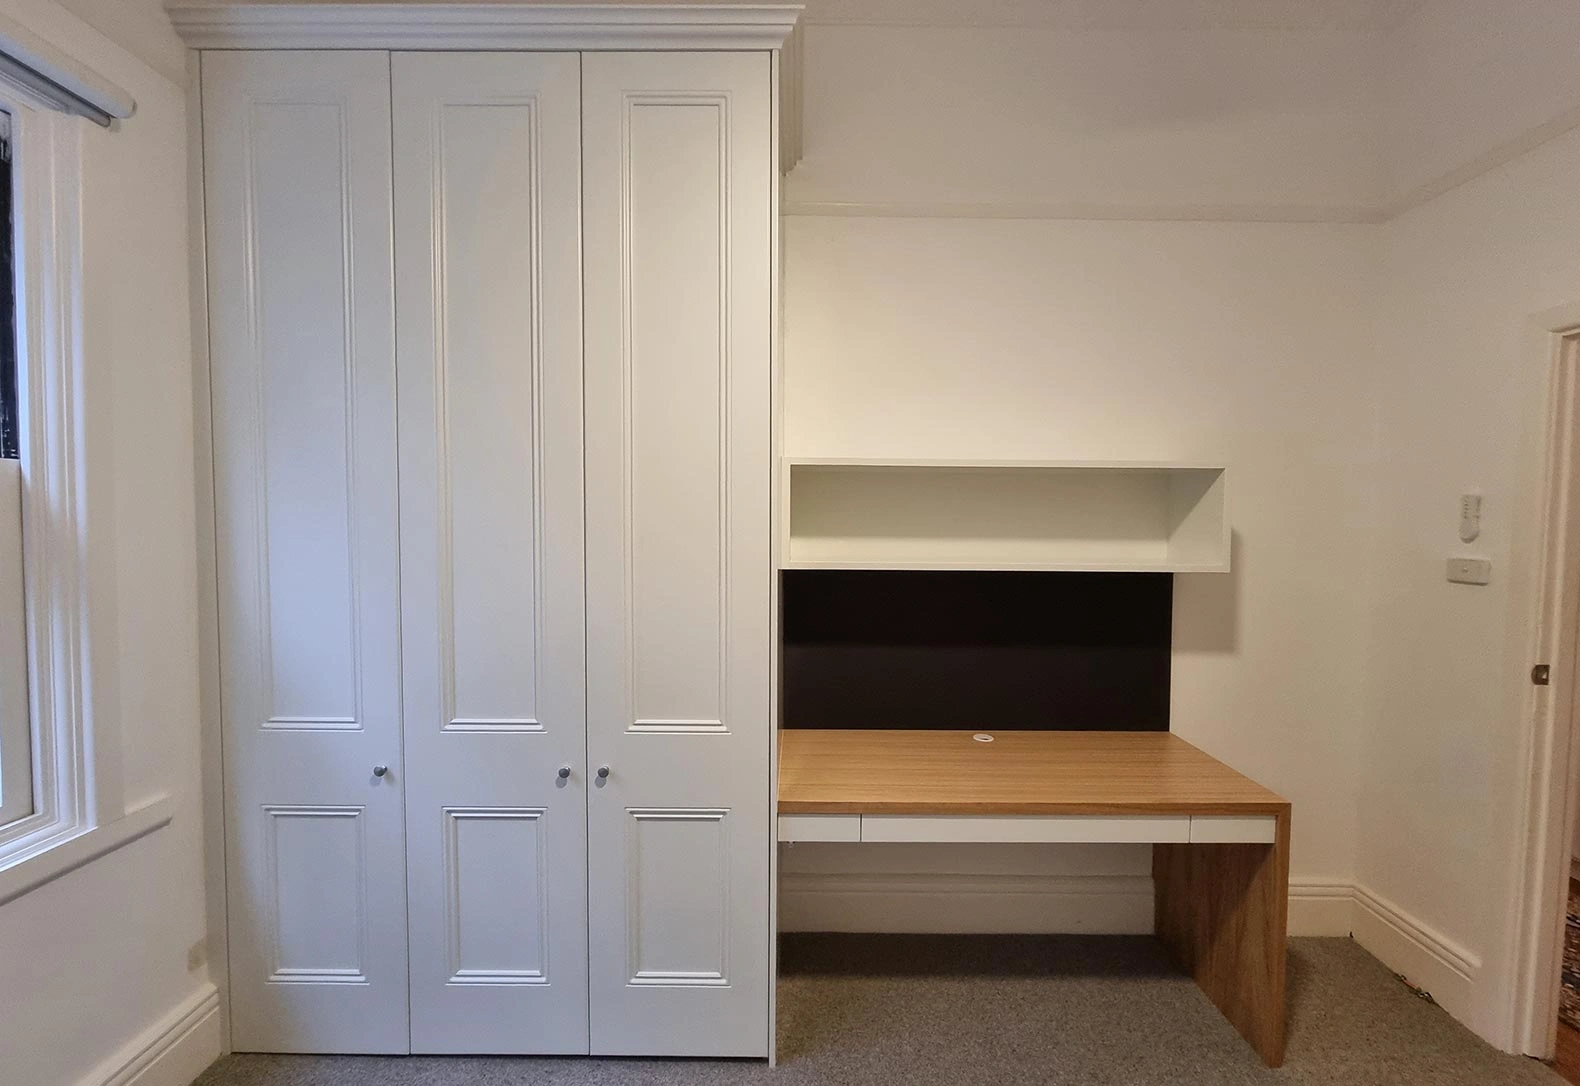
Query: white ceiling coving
x=1119, y=14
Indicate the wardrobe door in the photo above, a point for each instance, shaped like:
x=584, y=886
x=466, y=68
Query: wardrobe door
x=677, y=164
x=297, y=184
x=488, y=284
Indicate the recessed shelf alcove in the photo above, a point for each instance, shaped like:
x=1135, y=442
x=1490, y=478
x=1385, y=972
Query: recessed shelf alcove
x=1005, y=515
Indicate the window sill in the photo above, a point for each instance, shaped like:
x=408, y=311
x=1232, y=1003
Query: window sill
x=34, y=871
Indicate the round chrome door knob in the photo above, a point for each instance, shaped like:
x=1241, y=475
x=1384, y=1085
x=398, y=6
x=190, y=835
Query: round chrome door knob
x=603, y=772
x=565, y=771
x=380, y=770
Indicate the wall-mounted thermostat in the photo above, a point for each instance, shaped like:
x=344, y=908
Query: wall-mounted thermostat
x=1469, y=517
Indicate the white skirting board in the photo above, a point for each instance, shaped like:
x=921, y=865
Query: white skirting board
x=1425, y=957
x=174, y=1051
x=1321, y=907
x=1031, y=903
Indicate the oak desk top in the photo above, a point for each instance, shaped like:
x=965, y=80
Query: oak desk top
x=1019, y=773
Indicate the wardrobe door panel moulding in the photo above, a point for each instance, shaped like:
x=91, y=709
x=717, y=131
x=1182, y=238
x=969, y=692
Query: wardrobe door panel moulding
x=678, y=156
x=487, y=211
x=297, y=155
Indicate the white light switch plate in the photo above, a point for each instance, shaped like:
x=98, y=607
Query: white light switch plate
x=1470, y=570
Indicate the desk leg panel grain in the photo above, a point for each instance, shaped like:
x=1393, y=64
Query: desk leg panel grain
x=1223, y=911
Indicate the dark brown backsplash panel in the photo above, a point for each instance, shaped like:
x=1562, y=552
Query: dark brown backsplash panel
x=985, y=651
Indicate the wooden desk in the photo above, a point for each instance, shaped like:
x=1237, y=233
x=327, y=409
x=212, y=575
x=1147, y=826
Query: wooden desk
x=1220, y=859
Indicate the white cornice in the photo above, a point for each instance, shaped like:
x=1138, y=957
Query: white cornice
x=1493, y=159
x=482, y=26
x=1120, y=15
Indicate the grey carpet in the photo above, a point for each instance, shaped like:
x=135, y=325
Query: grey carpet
x=896, y=1010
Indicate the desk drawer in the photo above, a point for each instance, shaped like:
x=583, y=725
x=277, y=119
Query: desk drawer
x=836, y=827
x=1051, y=829
x=1233, y=829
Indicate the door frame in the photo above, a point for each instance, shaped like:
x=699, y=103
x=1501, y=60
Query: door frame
x=1549, y=759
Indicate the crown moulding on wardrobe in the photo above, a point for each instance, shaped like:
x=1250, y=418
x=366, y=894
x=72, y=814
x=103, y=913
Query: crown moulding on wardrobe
x=485, y=26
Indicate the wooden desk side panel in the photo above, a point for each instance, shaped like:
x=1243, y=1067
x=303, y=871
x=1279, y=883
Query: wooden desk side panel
x=1223, y=911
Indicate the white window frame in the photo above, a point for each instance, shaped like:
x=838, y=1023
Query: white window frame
x=47, y=193
x=16, y=716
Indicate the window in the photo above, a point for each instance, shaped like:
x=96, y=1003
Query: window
x=16, y=740
x=45, y=698
x=59, y=766
x=8, y=401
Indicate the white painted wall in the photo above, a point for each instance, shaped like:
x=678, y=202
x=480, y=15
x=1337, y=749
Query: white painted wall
x=1462, y=389
x=90, y=962
x=1250, y=344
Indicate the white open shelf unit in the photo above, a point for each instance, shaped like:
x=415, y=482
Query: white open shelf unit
x=1005, y=515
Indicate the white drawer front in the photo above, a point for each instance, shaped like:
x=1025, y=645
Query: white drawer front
x=1233, y=829
x=1058, y=829
x=820, y=827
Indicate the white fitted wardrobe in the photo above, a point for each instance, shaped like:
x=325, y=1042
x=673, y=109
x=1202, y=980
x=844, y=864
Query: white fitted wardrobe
x=491, y=339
